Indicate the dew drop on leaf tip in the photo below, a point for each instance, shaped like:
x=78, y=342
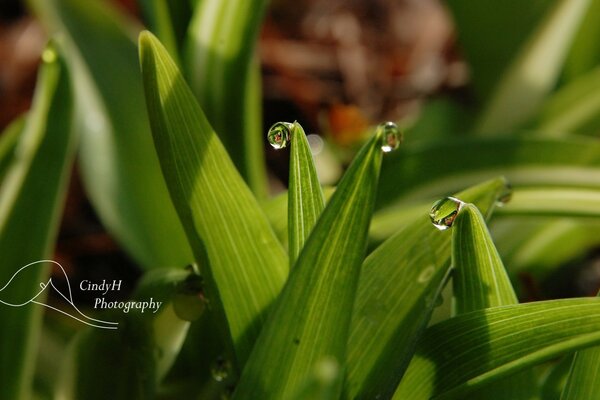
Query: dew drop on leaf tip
x=444, y=212
x=391, y=136
x=279, y=134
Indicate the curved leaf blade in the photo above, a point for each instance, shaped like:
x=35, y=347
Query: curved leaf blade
x=464, y=353
x=311, y=319
x=247, y=265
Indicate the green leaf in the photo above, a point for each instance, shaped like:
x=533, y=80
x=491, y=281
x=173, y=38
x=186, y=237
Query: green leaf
x=305, y=196
x=567, y=162
x=584, y=378
x=247, y=265
x=463, y=354
x=585, y=52
x=158, y=17
x=575, y=108
x=548, y=201
x=553, y=383
x=310, y=321
x=31, y=200
x=8, y=142
x=480, y=281
x=397, y=291
x=118, y=162
x=219, y=59
x=534, y=71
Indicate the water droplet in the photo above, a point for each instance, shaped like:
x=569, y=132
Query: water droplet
x=444, y=212
x=221, y=369
x=280, y=134
x=391, y=137
x=316, y=144
x=49, y=55
x=189, y=301
x=505, y=195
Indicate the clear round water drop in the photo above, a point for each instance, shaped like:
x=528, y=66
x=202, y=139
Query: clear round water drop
x=280, y=134
x=444, y=212
x=391, y=138
x=505, y=195
x=220, y=369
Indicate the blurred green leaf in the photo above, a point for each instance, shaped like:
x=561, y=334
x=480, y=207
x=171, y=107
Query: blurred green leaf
x=575, y=108
x=117, y=158
x=464, y=353
x=306, y=201
x=553, y=383
x=398, y=289
x=311, y=318
x=247, y=265
x=562, y=202
x=535, y=69
x=8, y=142
x=585, y=52
x=31, y=200
x=436, y=169
x=157, y=15
x=226, y=80
x=480, y=281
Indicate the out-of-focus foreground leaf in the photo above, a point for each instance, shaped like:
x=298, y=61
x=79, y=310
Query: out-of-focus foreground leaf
x=585, y=52
x=247, y=265
x=118, y=162
x=398, y=288
x=8, y=142
x=311, y=319
x=31, y=200
x=464, y=353
x=226, y=80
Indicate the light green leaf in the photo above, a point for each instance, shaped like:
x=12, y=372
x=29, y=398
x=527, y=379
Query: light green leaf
x=219, y=59
x=310, y=321
x=436, y=169
x=8, y=142
x=31, y=200
x=563, y=202
x=480, y=281
x=585, y=52
x=575, y=108
x=118, y=162
x=463, y=354
x=535, y=69
x=398, y=289
x=305, y=199
x=247, y=265
x=157, y=15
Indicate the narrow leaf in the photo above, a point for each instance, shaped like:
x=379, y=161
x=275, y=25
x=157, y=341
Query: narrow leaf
x=30, y=207
x=548, y=201
x=310, y=321
x=247, y=265
x=118, y=163
x=219, y=53
x=398, y=289
x=464, y=353
x=158, y=17
x=534, y=71
x=305, y=197
x=585, y=52
x=8, y=142
x=480, y=280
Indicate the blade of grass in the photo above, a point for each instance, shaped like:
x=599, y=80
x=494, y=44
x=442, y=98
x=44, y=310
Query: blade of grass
x=247, y=265
x=534, y=71
x=480, y=281
x=585, y=52
x=119, y=167
x=562, y=202
x=464, y=353
x=397, y=292
x=157, y=15
x=305, y=199
x=311, y=318
x=8, y=142
x=219, y=52
x=30, y=206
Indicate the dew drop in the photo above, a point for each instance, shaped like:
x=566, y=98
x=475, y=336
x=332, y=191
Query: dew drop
x=505, y=195
x=49, y=55
x=280, y=134
x=189, y=301
x=444, y=212
x=391, y=137
x=220, y=369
